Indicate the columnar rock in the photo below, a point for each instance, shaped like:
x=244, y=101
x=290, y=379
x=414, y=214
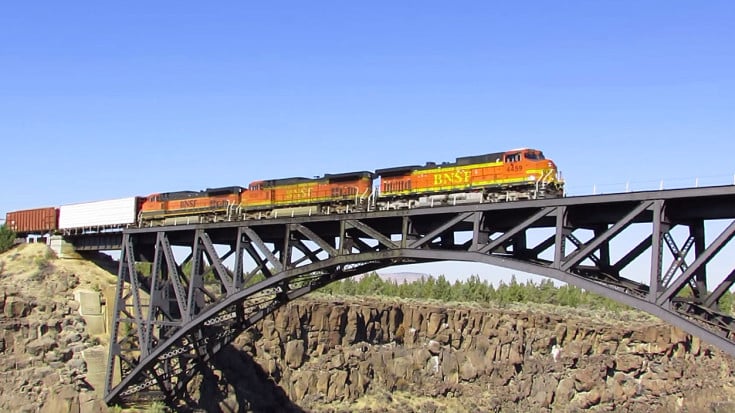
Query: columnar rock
x=499, y=358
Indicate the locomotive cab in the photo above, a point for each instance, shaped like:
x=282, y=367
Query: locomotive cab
x=532, y=165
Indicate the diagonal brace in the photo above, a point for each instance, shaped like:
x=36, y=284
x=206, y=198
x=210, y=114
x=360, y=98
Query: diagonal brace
x=701, y=260
x=255, y=238
x=439, y=230
x=725, y=285
x=312, y=236
x=173, y=273
x=515, y=230
x=367, y=230
x=216, y=262
x=605, y=236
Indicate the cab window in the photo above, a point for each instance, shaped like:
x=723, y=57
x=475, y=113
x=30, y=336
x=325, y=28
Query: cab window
x=513, y=157
x=534, y=155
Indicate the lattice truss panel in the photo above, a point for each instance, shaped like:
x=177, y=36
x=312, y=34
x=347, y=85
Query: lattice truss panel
x=185, y=293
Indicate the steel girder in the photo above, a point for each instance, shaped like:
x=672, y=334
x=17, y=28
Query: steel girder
x=186, y=292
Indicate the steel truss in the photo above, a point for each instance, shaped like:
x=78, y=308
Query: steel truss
x=185, y=292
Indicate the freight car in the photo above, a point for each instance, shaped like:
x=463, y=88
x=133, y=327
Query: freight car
x=97, y=216
x=496, y=177
x=33, y=221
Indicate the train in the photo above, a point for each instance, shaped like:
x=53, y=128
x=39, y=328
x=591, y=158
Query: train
x=519, y=174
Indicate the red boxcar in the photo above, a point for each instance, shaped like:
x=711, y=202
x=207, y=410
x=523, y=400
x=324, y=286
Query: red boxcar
x=33, y=221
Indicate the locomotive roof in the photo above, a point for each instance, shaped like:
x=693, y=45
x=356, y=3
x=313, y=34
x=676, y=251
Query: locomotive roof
x=396, y=170
x=465, y=160
x=487, y=158
x=170, y=196
x=224, y=190
x=346, y=176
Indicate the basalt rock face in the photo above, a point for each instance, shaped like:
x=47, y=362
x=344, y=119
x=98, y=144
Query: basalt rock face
x=44, y=344
x=372, y=355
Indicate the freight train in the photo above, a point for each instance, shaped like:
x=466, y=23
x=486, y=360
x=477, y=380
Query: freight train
x=495, y=177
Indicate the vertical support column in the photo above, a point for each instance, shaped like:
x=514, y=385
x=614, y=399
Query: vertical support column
x=113, y=359
x=237, y=280
x=520, y=244
x=286, y=248
x=238, y=276
x=407, y=232
x=480, y=233
x=560, y=238
x=343, y=248
x=604, y=259
x=659, y=227
x=696, y=231
x=156, y=298
x=447, y=239
x=405, y=228
x=195, y=279
x=132, y=276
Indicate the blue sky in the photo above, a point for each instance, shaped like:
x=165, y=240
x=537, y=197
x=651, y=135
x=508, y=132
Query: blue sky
x=103, y=101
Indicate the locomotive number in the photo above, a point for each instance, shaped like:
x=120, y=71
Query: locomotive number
x=514, y=168
x=218, y=204
x=459, y=177
x=300, y=193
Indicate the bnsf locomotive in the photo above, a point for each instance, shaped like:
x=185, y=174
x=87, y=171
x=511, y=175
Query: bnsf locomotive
x=503, y=176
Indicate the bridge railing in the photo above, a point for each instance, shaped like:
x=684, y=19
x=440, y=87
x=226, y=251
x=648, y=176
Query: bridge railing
x=600, y=188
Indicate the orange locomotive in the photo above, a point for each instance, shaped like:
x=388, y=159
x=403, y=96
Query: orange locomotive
x=333, y=193
x=503, y=176
x=190, y=207
x=495, y=177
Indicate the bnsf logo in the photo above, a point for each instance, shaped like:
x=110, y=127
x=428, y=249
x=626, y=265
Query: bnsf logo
x=212, y=204
x=447, y=178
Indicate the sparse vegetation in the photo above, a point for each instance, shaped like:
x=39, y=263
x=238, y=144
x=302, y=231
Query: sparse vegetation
x=7, y=238
x=475, y=290
x=157, y=407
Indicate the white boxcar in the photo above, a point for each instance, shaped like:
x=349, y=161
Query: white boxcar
x=99, y=214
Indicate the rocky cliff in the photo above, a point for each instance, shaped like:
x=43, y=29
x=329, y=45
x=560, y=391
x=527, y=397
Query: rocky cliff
x=49, y=360
x=327, y=354
x=332, y=354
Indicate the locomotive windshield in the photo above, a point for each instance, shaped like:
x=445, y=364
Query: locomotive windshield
x=534, y=155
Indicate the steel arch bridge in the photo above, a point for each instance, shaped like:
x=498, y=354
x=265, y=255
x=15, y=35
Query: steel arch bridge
x=185, y=292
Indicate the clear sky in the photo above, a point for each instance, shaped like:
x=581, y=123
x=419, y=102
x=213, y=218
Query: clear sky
x=109, y=100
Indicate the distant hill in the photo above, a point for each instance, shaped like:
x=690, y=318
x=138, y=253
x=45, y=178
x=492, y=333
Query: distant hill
x=403, y=277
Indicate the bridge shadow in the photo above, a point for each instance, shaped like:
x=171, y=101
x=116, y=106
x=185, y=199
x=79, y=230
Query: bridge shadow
x=235, y=371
